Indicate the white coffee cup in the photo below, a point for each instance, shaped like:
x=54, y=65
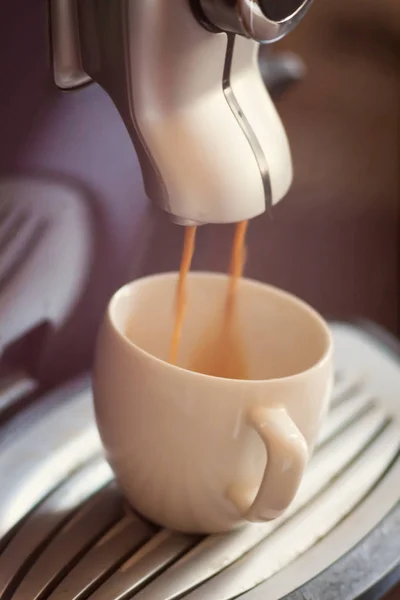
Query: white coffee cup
x=204, y=454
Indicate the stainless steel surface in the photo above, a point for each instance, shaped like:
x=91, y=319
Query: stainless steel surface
x=157, y=555
x=46, y=520
x=67, y=60
x=43, y=446
x=79, y=540
x=265, y=21
x=87, y=526
x=102, y=560
x=346, y=412
x=14, y=386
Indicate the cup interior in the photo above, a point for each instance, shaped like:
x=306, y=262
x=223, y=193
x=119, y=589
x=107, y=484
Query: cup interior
x=281, y=336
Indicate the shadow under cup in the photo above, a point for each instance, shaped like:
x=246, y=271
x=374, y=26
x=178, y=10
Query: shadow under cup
x=280, y=335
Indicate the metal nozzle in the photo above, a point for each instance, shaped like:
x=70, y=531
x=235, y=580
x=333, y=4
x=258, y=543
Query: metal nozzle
x=264, y=21
x=210, y=143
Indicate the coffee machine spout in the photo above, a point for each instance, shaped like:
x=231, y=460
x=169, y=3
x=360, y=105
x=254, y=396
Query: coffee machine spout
x=211, y=145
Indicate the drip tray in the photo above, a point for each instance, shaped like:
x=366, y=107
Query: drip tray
x=66, y=533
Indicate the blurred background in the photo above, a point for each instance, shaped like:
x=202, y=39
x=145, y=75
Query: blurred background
x=334, y=240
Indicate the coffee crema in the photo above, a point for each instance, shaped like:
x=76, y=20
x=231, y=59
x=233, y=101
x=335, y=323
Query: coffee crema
x=220, y=352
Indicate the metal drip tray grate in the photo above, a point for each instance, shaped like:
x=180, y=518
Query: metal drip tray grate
x=67, y=534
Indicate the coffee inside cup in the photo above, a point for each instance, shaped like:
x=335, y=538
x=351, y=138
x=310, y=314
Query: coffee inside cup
x=279, y=335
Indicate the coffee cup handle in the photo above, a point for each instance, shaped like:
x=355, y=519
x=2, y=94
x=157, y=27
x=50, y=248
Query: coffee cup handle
x=287, y=454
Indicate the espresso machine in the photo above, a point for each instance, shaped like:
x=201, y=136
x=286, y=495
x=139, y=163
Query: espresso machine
x=181, y=79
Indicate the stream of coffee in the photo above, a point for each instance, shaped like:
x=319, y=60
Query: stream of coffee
x=220, y=353
x=186, y=261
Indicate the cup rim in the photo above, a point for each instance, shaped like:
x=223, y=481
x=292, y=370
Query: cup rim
x=125, y=289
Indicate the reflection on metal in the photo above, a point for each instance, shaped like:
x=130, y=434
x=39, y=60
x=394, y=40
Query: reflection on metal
x=48, y=517
x=65, y=43
x=265, y=21
x=40, y=448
